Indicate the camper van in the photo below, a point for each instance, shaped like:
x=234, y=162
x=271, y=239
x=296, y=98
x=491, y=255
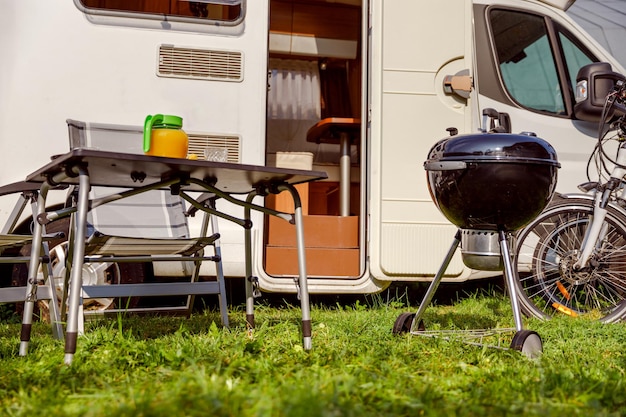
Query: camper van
x=359, y=89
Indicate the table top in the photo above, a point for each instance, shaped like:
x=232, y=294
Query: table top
x=329, y=130
x=114, y=169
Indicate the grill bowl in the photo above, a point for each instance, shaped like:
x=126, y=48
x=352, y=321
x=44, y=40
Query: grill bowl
x=491, y=181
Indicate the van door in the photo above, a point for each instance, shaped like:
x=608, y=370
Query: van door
x=527, y=61
x=415, y=45
x=314, y=121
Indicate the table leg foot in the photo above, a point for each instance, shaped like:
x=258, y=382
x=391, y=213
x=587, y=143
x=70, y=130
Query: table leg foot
x=306, y=334
x=70, y=347
x=250, y=325
x=25, y=338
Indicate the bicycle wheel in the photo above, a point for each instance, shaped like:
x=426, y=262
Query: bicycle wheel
x=546, y=251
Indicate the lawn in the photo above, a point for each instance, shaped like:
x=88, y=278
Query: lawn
x=174, y=366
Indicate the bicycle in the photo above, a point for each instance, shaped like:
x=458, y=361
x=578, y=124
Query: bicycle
x=572, y=258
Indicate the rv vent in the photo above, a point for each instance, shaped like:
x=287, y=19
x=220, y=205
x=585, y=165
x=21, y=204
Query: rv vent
x=199, y=64
x=198, y=142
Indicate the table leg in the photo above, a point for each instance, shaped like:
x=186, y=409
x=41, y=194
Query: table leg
x=76, y=276
x=303, y=279
x=31, y=281
x=249, y=285
x=344, y=180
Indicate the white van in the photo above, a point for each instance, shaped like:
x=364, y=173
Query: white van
x=299, y=83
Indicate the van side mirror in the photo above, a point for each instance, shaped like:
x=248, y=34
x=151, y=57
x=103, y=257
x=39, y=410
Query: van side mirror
x=593, y=83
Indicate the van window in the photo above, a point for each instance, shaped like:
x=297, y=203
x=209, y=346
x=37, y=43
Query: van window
x=575, y=58
x=529, y=59
x=526, y=60
x=219, y=10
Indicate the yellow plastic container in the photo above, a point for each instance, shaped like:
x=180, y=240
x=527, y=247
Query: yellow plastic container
x=163, y=136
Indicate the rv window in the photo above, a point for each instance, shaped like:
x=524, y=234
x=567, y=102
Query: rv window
x=218, y=10
x=526, y=60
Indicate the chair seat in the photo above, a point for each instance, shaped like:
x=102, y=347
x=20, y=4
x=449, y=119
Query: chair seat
x=11, y=240
x=101, y=244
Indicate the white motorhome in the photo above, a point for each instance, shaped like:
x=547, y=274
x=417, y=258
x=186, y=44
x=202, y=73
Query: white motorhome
x=297, y=83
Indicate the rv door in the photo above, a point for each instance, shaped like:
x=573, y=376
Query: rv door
x=416, y=46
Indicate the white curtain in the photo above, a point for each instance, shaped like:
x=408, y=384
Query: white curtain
x=294, y=90
x=293, y=107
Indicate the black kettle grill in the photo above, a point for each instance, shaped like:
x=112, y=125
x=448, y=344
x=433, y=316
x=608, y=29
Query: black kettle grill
x=491, y=181
x=488, y=185
x=484, y=183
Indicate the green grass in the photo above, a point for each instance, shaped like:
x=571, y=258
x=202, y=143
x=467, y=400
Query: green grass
x=168, y=366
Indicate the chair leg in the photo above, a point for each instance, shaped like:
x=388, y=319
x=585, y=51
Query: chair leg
x=219, y=273
x=31, y=281
x=53, y=303
x=219, y=270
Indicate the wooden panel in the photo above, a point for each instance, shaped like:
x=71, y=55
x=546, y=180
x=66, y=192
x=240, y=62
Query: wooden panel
x=331, y=21
x=319, y=232
x=324, y=198
x=280, y=16
x=320, y=262
x=331, y=246
x=284, y=201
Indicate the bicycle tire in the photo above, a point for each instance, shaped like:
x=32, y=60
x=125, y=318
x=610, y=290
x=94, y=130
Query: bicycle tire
x=545, y=251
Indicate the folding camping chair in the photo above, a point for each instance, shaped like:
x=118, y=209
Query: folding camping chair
x=150, y=226
x=147, y=227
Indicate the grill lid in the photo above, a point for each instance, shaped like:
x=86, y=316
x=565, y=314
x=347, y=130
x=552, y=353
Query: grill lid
x=455, y=151
x=491, y=181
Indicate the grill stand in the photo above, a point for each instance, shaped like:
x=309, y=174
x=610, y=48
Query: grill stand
x=525, y=341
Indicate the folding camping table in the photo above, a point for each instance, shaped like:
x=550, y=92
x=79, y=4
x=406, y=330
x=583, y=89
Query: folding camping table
x=141, y=173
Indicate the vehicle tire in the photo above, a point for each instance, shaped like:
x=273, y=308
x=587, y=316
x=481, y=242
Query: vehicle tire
x=545, y=252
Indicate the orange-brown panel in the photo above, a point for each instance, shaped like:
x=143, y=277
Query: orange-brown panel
x=331, y=21
x=319, y=262
x=319, y=232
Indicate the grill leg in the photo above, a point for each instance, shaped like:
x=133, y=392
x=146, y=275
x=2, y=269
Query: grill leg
x=510, y=280
x=432, y=288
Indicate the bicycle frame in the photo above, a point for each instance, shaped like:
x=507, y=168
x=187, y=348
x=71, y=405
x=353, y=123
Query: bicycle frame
x=596, y=231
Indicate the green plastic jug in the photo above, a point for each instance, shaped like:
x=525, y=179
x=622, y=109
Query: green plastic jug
x=163, y=136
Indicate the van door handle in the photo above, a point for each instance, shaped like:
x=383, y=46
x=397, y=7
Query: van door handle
x=460, y=84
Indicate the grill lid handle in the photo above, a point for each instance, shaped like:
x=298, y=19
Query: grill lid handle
x=444, y=165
